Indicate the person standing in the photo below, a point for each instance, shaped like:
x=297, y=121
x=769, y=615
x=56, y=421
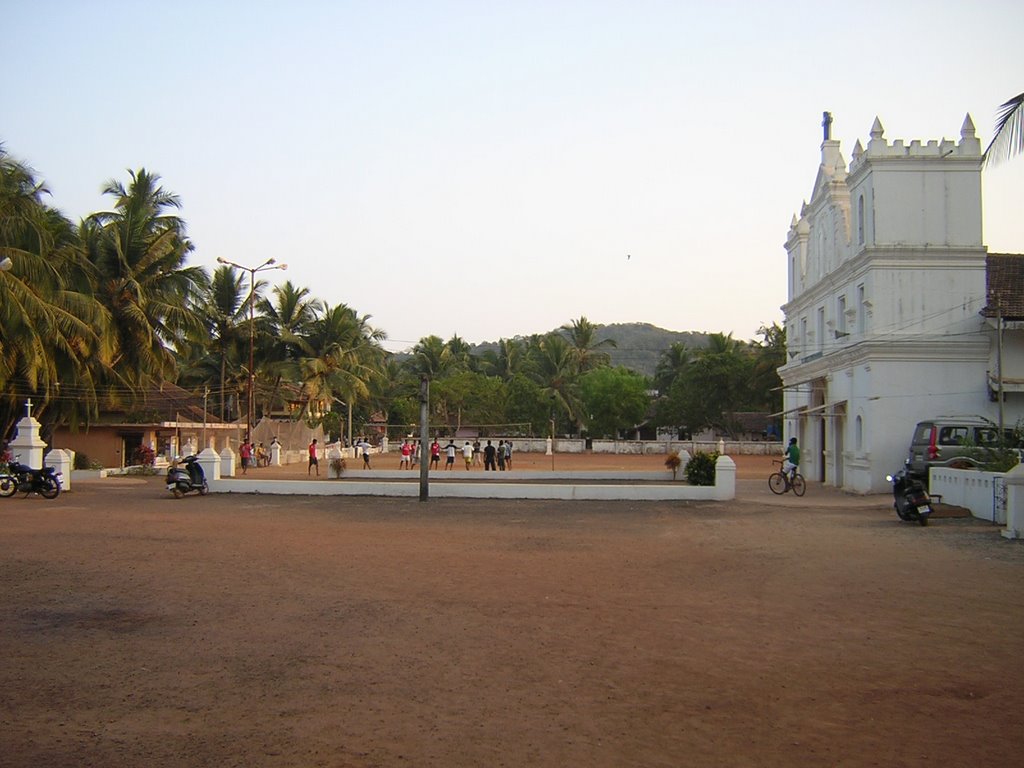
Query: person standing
x=406, y=451
x=449, y=455
x=246, y=453
x=435, y=454
x=489, y=457
x=313, y=461
x=508, y=454
x=500, y=455
x=467, y=454
x=476, y=452
x=364, y=449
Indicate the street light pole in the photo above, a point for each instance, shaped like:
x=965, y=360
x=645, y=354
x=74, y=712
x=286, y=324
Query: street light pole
x=269, y=264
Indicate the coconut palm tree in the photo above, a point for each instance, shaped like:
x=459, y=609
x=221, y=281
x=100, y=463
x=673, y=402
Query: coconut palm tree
x=1008, y=134
x=52, y=343
x=138, y=251
x=587, y=351
x=340, y=355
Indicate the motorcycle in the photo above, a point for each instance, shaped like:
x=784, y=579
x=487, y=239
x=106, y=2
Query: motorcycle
x=182, y=480
x=910, y=498
x=21, y=477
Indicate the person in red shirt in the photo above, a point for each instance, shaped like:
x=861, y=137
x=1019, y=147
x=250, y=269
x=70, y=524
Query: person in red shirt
x=246, y=453
x=313, y=461
x=435, y=454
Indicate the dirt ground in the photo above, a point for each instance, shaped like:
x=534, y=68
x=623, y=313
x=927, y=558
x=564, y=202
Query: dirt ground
x=139, y=630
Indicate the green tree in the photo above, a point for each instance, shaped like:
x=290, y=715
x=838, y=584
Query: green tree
x=587, y=352
x=53, y=346
x=614, y=399
x=138, y=251
x=340, y=355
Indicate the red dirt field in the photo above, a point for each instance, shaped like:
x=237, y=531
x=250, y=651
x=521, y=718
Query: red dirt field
x=139, y=630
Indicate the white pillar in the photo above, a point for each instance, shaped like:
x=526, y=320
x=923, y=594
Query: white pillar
x=725, y=479
x=1014, y=503
x=211, y=463
x=227, y=462
x=63, y=462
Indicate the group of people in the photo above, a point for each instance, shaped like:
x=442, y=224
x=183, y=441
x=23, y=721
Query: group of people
x=494, y=457
x=253, y=455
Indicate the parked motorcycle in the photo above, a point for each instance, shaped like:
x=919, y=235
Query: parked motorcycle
x=910, y=498
x=22, y=478
x=187, y=478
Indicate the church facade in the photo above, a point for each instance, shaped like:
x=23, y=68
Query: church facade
x=886, y=320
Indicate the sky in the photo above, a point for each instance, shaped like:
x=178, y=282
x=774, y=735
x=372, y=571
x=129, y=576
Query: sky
x=494, y=169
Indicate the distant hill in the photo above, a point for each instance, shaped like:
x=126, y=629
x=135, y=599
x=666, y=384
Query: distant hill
x=639, y=346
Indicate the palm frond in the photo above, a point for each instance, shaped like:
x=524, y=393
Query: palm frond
x=1008, y=134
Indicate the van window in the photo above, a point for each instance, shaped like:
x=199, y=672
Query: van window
x=986, y=436
x=953, y=435
x=923, y=434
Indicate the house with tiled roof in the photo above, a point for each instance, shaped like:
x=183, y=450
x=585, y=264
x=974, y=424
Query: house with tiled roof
x=166, y=418
x=896, y=313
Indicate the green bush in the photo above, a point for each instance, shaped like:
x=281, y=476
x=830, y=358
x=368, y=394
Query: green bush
x=700, y=470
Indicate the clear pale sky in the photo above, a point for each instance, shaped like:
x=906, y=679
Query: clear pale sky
x=484, y=168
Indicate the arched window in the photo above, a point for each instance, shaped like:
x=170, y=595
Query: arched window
x=858, y=434
x=860, y=220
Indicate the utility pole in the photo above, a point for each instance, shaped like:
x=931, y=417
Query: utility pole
x=424, y=437
x=999, y=361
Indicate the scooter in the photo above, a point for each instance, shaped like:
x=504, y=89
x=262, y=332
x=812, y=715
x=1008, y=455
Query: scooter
x=22, y=478
x=182, y=480
x=910, y=498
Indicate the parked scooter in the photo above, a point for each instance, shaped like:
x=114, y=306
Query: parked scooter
x=22, y=478
x=910, y=498
x=187, y=478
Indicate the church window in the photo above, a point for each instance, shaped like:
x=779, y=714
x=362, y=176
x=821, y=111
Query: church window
x=860, y=220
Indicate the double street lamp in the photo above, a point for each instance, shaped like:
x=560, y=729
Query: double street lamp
x=265, y=266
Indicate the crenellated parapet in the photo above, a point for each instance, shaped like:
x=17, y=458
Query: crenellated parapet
x=969, y=146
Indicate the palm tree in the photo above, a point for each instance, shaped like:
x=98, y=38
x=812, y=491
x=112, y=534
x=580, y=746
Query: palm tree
x=585, y=347
x=557, y=373
x=138, y=251
x=221, y=308
x=673, y=360
x=340, y=355
x=282, y=321
x=1008, y=135
x=52, y=342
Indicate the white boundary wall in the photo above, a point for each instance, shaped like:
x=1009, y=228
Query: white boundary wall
x=968, y=488
x=494, y=486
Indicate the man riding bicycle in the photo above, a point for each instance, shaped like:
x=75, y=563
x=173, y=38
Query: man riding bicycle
x=792, y=462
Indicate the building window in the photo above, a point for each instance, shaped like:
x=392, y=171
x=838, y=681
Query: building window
x=860, y=220
x=803, y=335
x=858, y=434
x=821, y=328
x=840, y=317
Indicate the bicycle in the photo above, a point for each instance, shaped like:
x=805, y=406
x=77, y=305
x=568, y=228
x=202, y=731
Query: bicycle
x=780, y=482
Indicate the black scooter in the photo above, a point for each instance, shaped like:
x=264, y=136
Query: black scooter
x=21, y=477
x=182, y=480
x=910, y=498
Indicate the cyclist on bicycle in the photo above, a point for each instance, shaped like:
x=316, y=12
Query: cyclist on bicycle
x=792, y=462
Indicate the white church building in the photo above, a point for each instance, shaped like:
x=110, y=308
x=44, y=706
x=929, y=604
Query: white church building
x=889, y=319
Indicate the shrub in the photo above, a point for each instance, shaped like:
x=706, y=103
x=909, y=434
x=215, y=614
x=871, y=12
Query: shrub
x=700, y=470
x=143, y=456
x=337, y=466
